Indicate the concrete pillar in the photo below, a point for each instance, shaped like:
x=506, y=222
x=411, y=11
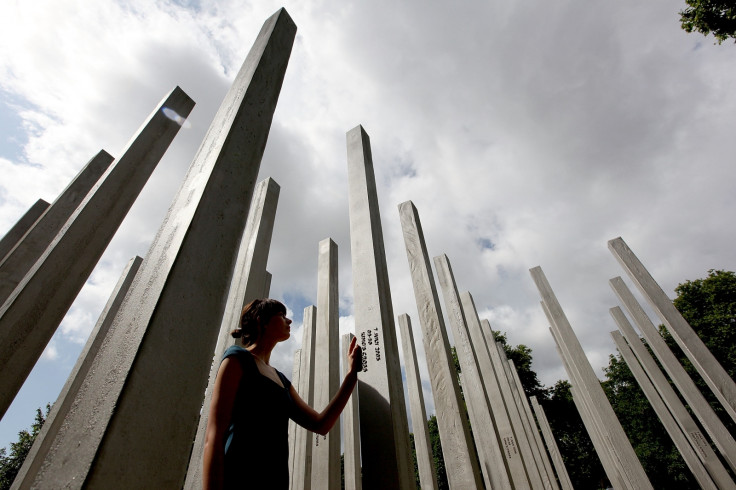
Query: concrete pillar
x=457, y=444
x=492, y=460
x=246, y=285
x=351, y=429
x=384, y=431
x=33, y=310
x=603, y=447
x=535, y=439
x=509, y=441
x=21, y=227
x=63, y=404
x=522, y=436
x=168, y=323
x=600, y=406
x=266, y=285
x=551, y=443
x=292, y=425
x=326, y=450
x=302, y=475
x=696, y=351
x=687, y=452
x=18, y=261
x=422, y=444
x=700, y=407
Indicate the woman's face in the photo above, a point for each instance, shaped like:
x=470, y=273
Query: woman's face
x=278, y=327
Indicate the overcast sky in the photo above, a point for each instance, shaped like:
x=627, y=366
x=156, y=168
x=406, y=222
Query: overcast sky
x=526, y=133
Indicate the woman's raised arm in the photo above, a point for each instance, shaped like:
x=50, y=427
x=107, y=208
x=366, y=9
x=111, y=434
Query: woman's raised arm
x=322, y=422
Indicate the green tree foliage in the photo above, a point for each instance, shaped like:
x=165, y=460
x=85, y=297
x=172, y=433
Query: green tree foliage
x=10, y=463
x=710, y=16
x=439, y=461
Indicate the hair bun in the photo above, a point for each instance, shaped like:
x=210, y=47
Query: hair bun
x=237, y=333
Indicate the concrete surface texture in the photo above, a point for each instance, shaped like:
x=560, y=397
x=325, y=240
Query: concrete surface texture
x=181, y=287
x=492, y=461
x=458, y=449
x=326, y=449
x=383, y=423
x=21, y=227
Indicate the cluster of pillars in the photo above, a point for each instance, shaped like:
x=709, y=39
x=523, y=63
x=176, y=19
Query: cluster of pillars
x=166, y=327
x=692, y=440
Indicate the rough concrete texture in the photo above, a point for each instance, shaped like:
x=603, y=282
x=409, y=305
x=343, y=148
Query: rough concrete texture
x=599, y=404
x=458, y=449
x=427, y=474
x=681, y=443
x=247, y=284
x=169, y=321
x=18, y=261
x=696, y=351
x=63, y=404
x=602, y=447
x=32, y=312
x=21, y=227
x=384, y=428
x=535, y=439
x=326, y=449
x=506, y=436
x=486, y=438
x=351, y=429
x=512, y=408
x=700, y=407
x=301, y=477
x=554, y=451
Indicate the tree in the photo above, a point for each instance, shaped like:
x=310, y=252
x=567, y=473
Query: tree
x=10, y=463
x=710, y=16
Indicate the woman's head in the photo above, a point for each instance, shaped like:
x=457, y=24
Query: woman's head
x=254, y=317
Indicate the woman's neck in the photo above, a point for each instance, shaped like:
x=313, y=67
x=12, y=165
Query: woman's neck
x=261, y=351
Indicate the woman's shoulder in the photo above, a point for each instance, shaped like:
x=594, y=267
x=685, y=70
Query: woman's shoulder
x=239, y=353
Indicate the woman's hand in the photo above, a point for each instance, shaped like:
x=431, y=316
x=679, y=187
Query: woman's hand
x=355, y=357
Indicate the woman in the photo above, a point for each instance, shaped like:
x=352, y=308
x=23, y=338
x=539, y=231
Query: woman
x=247, y=442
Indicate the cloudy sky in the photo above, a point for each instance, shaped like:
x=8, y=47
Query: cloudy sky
x=526, y=133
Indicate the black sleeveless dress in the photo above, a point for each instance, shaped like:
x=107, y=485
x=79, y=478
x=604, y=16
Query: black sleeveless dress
x=257, y=440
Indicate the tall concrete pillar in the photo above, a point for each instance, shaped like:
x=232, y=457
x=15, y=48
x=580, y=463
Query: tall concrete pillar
x=603, y=448
x=422, y=444
x=351, y=429
x=302, y=474
x=246, y=285
x=384, y=431
x=21, y=227
x=292, y=425
x=37, y=304
x=492, y=460
x=600, y=406
x=522, y=436
x=551, y=443
x=18, y=261
x=326, y=450
x=712, y=424
x=457, y=444
x=63, y=404
x=165, y=346
x=535, y=439
x=509, y=441
x=266, y=285
x=686, y=451
x=696, y=351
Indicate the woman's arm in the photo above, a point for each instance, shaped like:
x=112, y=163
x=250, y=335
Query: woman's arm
x=321, y=423
x=221, y=409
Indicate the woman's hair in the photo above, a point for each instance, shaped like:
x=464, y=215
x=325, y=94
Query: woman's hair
x=254, y=317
